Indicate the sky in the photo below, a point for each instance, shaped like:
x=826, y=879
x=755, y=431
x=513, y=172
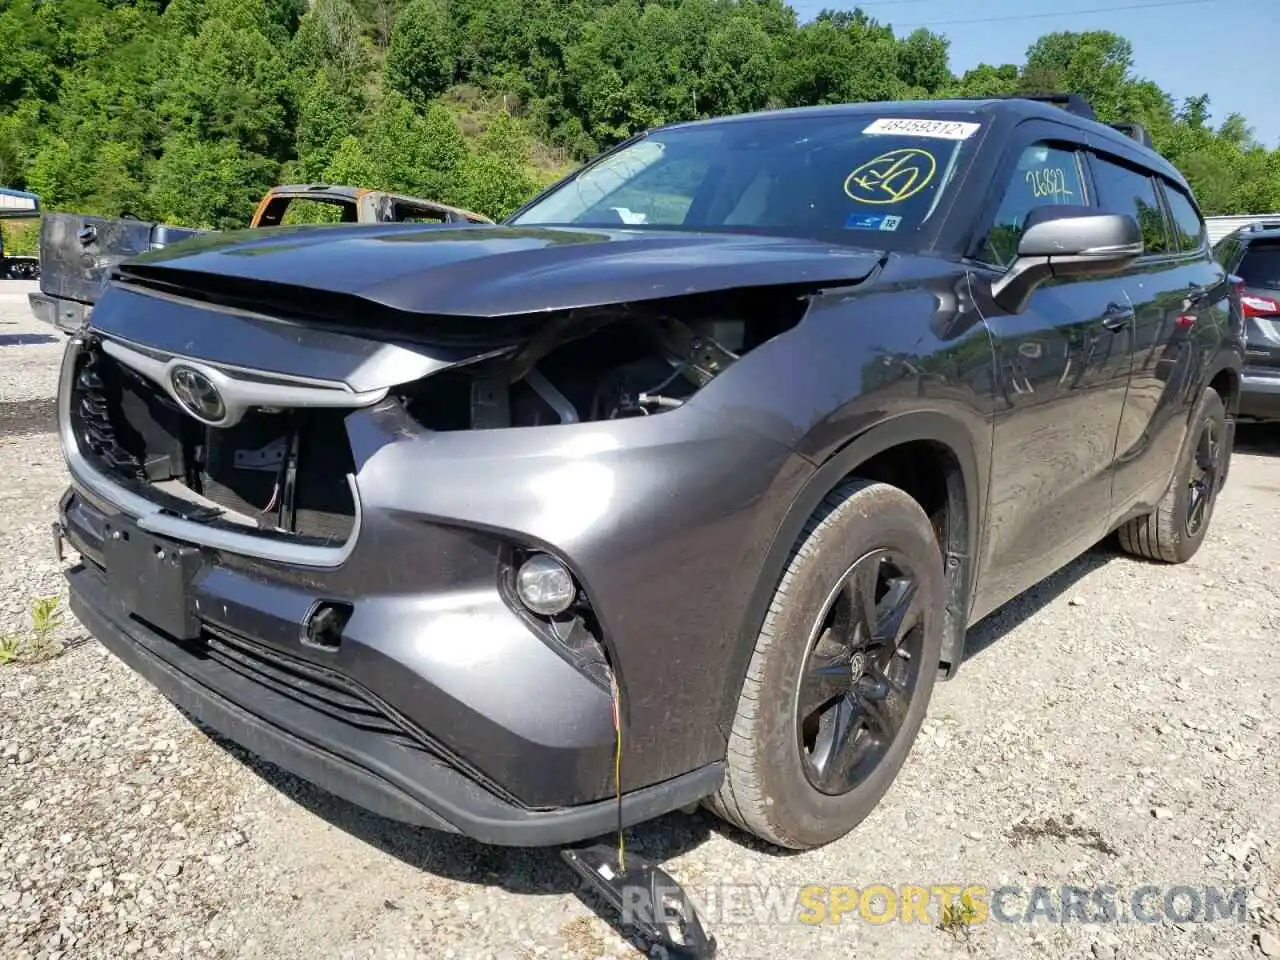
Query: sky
x=1188, y=48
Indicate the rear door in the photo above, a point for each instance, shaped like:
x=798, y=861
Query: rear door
x=1061, y=378
x=1169, y=291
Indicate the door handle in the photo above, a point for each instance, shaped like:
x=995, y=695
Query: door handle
x=1117, y=317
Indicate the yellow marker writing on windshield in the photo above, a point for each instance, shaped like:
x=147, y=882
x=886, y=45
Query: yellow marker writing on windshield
x=891, y=177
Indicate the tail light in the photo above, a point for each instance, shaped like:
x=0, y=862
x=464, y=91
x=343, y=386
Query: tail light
x=1254, y=305
x=1259, y=306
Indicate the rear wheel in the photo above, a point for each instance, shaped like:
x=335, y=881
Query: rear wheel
x=1174, y=530
x=842, y=671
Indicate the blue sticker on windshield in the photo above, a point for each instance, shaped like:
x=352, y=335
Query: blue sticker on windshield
x=872, y=221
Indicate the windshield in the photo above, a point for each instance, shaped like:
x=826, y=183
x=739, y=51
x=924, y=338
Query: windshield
x=830, y=177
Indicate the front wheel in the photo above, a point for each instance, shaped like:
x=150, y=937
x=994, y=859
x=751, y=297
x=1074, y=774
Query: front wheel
x=1174, y=530
x=842, y=670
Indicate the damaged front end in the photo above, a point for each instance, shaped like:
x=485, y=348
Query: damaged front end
x=264, y=456
x=328, y=520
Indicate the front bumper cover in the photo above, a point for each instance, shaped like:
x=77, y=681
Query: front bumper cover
x=390, y=779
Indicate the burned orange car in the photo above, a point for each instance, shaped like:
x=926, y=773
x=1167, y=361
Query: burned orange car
x=356, y=205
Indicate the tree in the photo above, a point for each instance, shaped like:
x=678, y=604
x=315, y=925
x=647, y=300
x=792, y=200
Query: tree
x=327, y=114
x=922, y=61
x=328, y=38
x=213, y=184
x=189, y=109
x=1096, y=64
x=497, y=179
x=421, y=58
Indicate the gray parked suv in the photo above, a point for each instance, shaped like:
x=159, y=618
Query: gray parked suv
x=1252, y=256
x=698, y=467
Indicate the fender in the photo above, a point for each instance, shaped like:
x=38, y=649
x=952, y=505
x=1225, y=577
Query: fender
x=960, y=550
x=1228, y=359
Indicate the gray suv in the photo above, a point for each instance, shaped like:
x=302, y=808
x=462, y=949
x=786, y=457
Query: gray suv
x=1252, y=255
x=681, y=485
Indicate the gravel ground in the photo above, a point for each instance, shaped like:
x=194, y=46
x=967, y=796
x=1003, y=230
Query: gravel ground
x=1116, y=725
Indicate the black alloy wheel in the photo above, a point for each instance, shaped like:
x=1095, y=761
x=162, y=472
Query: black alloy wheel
x=1174, y=530
x=842, y=670
x=1202, y=485
x=860, y=673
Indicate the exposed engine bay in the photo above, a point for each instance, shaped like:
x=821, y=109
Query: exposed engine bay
x=287, y=470
x=617, y=363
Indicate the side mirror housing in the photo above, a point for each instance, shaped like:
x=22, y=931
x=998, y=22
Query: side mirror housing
x=1067, y=241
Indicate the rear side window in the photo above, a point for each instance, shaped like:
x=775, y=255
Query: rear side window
x=1188, y=228
x=1226, y=249
x=1045, y=175
x=1261, y=265
x=1122, y=189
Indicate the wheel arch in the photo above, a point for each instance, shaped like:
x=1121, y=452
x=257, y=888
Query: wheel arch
x=1224, y=377
x=964, y=490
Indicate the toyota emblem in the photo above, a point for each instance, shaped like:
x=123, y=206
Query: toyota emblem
x=198, y=395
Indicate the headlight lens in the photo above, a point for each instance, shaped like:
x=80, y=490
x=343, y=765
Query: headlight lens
x=545, y=585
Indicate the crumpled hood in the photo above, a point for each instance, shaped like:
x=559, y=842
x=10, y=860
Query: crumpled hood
x=491, y=271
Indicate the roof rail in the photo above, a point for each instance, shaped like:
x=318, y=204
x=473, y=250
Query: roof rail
x=1135, y=130
x=1071, y=102
x=1259, y=225
x=1075, y=104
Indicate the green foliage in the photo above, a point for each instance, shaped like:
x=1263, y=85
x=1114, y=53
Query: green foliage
x=21, y=237
x=188, y=110
x=40, y=641
x=207, y=183
x=420, y=62
x=327, y=112
x=498, y=178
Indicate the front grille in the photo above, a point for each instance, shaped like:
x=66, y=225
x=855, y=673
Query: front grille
x=320, y=689
x=282, y=471
x=332, y=694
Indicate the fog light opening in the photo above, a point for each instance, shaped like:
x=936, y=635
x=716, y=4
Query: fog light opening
x=324, y=625
x=545, y=586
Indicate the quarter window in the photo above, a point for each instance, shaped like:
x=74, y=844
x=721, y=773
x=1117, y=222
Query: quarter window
x=1045, y=175
x=1188, y=228
x=1226, y=250
x=1122, y=189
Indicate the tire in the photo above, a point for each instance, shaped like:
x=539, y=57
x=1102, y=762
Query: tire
x=769, y=788
x=1166, y=534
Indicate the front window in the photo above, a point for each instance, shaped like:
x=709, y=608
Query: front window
x=845, y=178
x=1045, y=175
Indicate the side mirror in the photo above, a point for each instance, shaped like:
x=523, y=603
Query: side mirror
x=1067, y=241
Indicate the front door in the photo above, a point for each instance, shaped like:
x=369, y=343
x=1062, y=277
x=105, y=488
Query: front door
x=1062, y=371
